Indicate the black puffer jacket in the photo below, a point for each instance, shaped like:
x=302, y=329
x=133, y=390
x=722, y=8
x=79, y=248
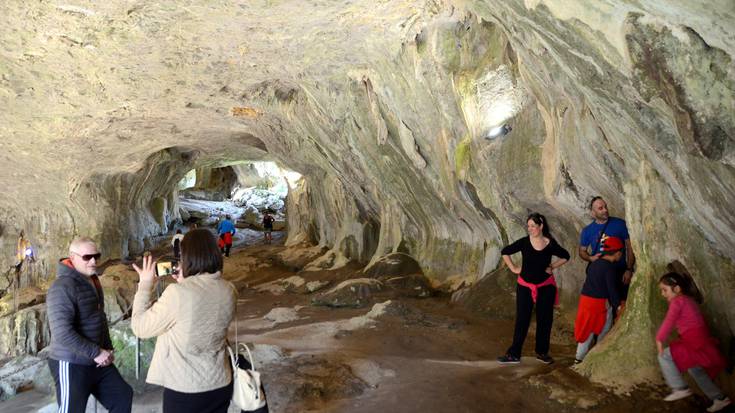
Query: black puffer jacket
x=76, y=314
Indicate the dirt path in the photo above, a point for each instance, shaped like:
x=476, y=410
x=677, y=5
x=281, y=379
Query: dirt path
x=420, y=355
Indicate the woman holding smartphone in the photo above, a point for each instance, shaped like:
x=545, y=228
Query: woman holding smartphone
x=190, y=319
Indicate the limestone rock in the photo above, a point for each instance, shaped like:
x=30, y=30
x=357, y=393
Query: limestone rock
x=185, y=216
x=568, y=388
x=351, y=293
x=119, y=283
x=313, y=286
x=298, y=256
x=21, y=373
x=24, y=332
x=493, y=295
x=291, y=284
x=282, y=315
x=26, y=297
x=316, y=382
x=413, y=285
x=396, y=264
x=331, y=260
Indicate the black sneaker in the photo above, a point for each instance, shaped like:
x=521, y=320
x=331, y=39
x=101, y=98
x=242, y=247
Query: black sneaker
x=544, y=358
x=577, y=361
x=508, y=359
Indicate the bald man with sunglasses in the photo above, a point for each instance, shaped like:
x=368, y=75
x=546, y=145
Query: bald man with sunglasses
x=81, y=356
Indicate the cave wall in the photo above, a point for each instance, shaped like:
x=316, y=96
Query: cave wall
x=629, y=100
x=221, y=180
x=650, y=130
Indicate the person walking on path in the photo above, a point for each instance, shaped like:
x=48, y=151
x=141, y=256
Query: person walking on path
x=226, y=229
x=268, y=227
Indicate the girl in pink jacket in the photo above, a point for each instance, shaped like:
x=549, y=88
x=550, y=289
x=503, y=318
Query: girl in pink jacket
x=695, y=351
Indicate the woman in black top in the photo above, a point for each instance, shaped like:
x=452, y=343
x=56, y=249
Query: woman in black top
x=536, y=284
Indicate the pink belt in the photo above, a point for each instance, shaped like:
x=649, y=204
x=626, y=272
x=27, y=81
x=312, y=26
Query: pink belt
x=534, y=287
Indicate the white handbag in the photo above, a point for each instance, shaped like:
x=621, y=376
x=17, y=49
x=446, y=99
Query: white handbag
x=247, y=392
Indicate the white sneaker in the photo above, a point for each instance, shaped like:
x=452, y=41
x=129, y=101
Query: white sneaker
x=718, y=405
x=678, y=394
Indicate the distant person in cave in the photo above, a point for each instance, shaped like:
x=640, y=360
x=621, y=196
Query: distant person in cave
x=176, y=244
x=536, y=286
x=81, y=354
x=226, y=229
x=599, y=300
x=268, y=226
x=590, y=243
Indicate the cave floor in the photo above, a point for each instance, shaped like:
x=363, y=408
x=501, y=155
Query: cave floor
x=419, y=355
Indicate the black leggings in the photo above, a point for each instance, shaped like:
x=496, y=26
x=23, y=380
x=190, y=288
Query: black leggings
x=213, y=401
x=544, y=318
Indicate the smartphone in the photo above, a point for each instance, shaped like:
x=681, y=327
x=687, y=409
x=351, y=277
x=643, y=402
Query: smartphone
x=166, y=268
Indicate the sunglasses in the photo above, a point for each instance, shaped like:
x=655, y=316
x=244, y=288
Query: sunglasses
x=87, y=257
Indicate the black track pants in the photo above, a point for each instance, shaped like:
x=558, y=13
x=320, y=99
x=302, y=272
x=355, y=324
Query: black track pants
x=75, y=382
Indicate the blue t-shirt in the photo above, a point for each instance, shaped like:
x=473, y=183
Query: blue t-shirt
x=226, y=226
x=591, y=234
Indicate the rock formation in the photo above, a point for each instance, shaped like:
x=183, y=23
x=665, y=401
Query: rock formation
x=386, y=110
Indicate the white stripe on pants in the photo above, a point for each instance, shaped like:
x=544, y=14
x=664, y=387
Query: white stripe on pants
x=64, y=384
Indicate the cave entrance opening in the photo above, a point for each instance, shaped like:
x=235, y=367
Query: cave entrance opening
x=250, y=194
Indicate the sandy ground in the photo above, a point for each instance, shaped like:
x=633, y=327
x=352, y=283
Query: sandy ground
x=393, y=355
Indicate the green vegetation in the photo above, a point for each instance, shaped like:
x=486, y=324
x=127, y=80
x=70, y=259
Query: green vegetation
x=462, y=155
x=123, y=340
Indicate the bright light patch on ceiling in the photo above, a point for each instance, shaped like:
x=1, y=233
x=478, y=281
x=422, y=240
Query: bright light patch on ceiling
x=499, y=99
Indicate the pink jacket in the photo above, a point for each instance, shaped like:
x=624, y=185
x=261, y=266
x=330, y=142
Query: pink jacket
x=695, y=346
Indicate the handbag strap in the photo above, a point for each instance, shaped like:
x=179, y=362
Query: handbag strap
x=250, y=356
x=233, y=360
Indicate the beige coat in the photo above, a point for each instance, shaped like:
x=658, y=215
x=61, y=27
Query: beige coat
x=190, y=320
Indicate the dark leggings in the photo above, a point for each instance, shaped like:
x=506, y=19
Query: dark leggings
x=213, y=401
x=544, y=318
x=226, y=249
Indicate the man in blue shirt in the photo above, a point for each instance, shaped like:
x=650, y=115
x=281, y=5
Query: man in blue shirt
x=593, y=235
x=226, y=229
